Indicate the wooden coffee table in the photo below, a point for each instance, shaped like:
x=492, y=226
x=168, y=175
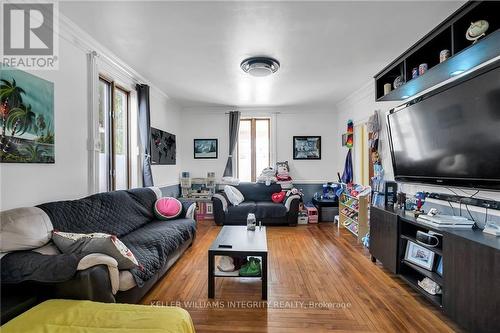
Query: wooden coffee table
x=239, y=242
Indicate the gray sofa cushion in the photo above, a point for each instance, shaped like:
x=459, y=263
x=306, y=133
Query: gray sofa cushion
x=266, y=209
x=241, y=211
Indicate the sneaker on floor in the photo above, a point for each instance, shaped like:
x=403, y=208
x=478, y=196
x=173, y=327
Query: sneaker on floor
x=251, y=269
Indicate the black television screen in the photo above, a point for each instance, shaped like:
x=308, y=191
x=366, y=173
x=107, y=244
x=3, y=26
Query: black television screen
x=451, y=137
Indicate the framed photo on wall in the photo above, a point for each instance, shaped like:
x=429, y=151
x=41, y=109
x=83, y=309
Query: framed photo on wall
x=205, y=148
x=419, y=255
x=307, y=147
x=163, y=147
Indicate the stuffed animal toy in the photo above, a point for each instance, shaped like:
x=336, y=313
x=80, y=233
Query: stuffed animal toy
x=366, y=240
x=282, y=171
x=268, y=176
x=292, y=192
x=283, y=175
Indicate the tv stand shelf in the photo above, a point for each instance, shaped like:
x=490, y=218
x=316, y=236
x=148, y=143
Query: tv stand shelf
x=437, y=250
x=471, y=267
x=412, y=281
x=431, y=275
x=449, y=35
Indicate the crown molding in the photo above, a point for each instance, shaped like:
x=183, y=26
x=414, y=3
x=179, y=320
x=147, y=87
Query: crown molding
x=72, y=33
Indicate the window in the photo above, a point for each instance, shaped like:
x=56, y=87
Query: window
x=114, y=164
x=253, y=148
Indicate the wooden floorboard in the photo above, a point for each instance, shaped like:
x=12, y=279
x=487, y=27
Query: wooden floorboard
x=319, y=281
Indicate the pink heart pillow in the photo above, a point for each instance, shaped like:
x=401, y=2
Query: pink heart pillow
x=167, y=208
x=278, y=197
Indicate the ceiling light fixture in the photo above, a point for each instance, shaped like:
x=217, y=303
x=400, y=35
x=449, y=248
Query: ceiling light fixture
x=260, y=66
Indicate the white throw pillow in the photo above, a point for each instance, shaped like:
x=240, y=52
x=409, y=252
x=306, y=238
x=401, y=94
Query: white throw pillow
x=233, y=195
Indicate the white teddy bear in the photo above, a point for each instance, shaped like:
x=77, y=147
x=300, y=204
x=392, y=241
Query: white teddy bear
x=268, y=176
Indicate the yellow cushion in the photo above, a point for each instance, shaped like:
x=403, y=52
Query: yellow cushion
x=61, y=316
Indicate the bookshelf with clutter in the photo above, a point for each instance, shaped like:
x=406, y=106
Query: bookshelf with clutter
x=355, y=199
x=199, y=190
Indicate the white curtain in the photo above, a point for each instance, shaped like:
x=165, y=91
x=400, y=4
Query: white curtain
x=93, y=123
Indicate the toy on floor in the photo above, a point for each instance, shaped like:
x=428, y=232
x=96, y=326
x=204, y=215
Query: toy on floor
x=312, y=213
x=302, y=217
x=366, y=240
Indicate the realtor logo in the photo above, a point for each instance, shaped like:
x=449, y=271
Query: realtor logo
x=29, y=35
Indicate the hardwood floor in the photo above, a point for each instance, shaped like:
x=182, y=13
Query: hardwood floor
x=319, y=281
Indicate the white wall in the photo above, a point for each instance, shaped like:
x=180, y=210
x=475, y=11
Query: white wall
x=166, y=116
x=308, y=123
x=209, y=123
x=359, y=106
x=31, y=184
x=203, y=124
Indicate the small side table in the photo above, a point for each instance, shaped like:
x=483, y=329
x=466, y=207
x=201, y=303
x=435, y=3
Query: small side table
x=326, y=204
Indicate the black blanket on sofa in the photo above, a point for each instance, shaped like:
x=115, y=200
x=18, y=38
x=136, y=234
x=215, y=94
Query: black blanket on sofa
x=130, y=216
x=20, y=266
x=115, y=213
x=154, y=242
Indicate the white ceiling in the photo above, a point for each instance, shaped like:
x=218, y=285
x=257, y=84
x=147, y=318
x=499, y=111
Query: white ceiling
x=192, y=50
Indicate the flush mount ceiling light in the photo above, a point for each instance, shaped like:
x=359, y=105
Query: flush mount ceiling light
x=260, y=66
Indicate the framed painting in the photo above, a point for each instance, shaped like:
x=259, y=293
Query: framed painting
x=26, y=118
x=419, y=255
x=205, y=148
x=307, y=147
x=163, y=147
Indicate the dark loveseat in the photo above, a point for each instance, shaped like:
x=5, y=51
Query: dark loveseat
x=258, y=201
x=38, y=266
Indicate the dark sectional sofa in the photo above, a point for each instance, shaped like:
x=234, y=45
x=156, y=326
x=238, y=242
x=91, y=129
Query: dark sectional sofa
x=157, y=245
x=258, y=201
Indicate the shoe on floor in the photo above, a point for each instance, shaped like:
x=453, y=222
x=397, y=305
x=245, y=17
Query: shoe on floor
x=252, y=268
x=226, y=264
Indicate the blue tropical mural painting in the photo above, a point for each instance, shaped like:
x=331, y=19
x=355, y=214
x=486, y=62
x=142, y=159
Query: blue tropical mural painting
x=26, y=118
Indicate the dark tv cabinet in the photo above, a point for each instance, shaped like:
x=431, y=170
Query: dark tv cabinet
x=384, y=237
x=450, y=35
x=471, y=267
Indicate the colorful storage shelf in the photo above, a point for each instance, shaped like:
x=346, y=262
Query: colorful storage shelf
x=353, y=214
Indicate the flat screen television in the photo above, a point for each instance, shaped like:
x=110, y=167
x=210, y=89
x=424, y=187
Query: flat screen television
x=450, y=136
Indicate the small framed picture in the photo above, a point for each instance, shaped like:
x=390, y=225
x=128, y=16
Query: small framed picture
x=419, y=255
x=205, y=148
x=307, y=147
